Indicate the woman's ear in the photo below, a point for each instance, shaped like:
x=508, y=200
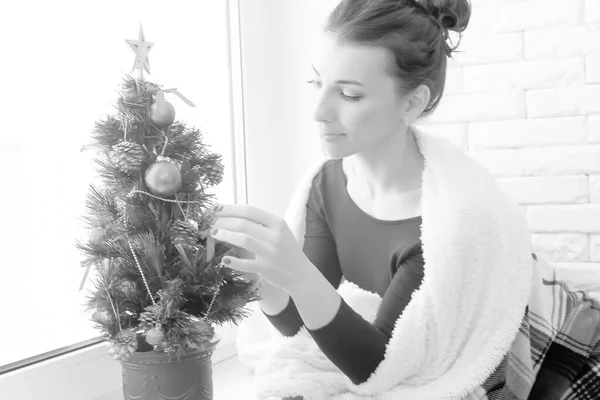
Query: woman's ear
x=418, y=99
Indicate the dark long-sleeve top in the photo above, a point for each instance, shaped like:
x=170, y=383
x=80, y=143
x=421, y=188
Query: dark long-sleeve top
x=384, y=257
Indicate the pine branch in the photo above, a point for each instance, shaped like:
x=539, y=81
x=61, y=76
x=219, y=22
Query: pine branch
x=106, y=133
x=102, y=208
x=231, y=302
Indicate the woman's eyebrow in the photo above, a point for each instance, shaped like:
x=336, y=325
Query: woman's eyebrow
x=341, y=82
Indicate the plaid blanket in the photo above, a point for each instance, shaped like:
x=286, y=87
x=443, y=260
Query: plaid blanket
x=557, y=349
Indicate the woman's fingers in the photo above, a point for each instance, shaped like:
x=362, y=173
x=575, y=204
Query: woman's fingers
x=239, y=239
x=242, y=226
x=244, y=254
x=245, y=211
x=250, y=267
x=247, y=276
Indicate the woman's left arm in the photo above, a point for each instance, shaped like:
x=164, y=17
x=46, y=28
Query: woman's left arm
x=278, y=258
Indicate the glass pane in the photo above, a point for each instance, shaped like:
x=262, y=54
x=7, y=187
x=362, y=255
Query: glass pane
x=62, y=63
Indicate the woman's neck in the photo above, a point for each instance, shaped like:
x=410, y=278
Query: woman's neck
x=395, y=169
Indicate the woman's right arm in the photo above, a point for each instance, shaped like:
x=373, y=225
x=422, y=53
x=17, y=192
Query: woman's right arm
x=273, y=299
x=319, y=247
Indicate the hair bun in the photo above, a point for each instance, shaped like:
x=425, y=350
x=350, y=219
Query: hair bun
x=451, y=14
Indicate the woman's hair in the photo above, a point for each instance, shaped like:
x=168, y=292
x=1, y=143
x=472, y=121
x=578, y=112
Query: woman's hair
x=415, y=32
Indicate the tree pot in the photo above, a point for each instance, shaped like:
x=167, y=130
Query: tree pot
x=161, y=376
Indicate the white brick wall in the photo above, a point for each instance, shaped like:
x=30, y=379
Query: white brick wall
x=572, y=100
x=594, y=187
x=594, y=129
x=595, y=247
x=562, y=42
x=592, y=68
x=523, y=99
x=592, y=11
x=519, y=16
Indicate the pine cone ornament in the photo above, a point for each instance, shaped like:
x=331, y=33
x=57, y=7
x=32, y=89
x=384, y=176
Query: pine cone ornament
x=184, y=233
x=206, y=330
x=213, y=170
x=122, y=346
x=127, y=156
x=127, y=288
x=152, y=316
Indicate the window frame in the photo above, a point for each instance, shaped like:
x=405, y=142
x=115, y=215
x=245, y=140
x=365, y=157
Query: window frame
x=53, y=372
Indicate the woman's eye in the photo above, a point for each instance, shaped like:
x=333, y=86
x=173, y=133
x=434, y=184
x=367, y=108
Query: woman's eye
x=343, y=95
x=350, y=98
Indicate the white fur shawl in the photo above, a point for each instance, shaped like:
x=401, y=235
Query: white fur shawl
x=459, y=324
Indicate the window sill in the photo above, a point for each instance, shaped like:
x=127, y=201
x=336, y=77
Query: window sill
x=233, y=380
x=92, y=374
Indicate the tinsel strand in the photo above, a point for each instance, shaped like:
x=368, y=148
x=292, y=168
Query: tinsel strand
x=163, y=199
x=137, y=262
x=212, y=302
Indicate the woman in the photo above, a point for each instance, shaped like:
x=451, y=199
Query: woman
x=382, y=67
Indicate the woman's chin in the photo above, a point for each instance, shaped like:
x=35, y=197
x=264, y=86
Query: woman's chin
x=333, y=153
x=333, y=150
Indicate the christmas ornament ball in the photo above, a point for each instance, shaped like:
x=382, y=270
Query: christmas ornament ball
x=102, y=316
x=162, y=114
x=154, y=336
x=96, y=234
x=163, y=178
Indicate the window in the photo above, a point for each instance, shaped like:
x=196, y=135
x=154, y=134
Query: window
x=62, y=64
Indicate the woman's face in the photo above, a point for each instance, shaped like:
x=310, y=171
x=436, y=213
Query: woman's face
x=359, y=106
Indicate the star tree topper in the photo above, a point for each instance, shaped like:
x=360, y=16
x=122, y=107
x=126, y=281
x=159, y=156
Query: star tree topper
x=141, y=48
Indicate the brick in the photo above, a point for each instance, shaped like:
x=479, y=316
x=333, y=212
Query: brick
x=577, y=100
x=479, y=107
x=578, y=276
x=562, y=42
x=536, y=74
x=528, y=133
x=594, y=187
x=523, y=210
x=487, y=49
x=501, y=163
x=454, y=80
x=594, y=129
x=520, y=16
x=563, y=160
x=456, y=133
x=562, y=246
x=547, y=190
x=580, y=218
x=592, y=11
x=594, y=247
x=592, y=68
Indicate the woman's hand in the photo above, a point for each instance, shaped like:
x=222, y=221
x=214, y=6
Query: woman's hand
x=274, y=253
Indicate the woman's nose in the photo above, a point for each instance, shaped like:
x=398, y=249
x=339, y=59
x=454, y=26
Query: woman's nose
x=324, y=110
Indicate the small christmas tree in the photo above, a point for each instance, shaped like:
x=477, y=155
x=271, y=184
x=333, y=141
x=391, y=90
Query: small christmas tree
x=159, y=284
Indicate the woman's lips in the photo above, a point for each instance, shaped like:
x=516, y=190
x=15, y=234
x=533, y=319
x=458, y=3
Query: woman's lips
x=332, y=136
